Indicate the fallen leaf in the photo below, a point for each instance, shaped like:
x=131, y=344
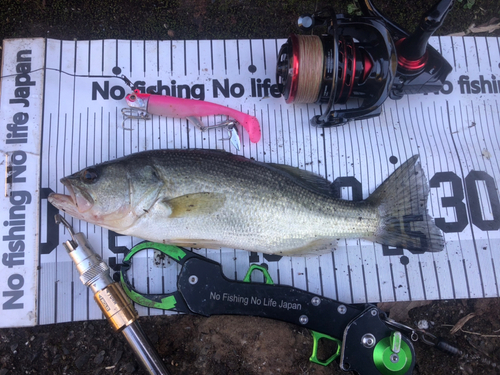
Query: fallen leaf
x=487, y=27
x=486, y=154
x=399, y=310
x=457, y=327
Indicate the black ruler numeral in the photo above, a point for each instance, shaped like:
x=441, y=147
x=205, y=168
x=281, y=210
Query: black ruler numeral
x=475, y=203
x=455, y=201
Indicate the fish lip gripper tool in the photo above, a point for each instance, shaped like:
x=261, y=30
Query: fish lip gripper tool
x=111, y=299
x=367, y=341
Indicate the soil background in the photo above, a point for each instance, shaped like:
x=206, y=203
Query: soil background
x=233, y=344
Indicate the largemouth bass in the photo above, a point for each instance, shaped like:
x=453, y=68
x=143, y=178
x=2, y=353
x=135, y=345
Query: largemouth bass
x=213, y=199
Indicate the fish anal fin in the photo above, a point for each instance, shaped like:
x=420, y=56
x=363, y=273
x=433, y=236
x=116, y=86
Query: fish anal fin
x=313, y=248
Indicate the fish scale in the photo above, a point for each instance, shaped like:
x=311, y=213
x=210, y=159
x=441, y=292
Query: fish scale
x=212, y=199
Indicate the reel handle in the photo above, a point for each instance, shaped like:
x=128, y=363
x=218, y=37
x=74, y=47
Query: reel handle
x=414, y=47
x=323, y=17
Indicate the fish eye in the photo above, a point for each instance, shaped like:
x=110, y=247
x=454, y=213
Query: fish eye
x=89, y=176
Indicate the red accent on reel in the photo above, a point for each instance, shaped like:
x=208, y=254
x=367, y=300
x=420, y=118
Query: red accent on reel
x=342, y=70
x=348, y=72
x=411, y=65
x=368, y=65
x=295, y=69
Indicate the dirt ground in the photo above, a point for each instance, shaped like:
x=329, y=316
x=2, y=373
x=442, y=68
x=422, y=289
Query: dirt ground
x=231, y=344
x=244, y=345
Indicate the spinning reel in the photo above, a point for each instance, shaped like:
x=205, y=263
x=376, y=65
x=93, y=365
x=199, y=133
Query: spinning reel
x=360, y=62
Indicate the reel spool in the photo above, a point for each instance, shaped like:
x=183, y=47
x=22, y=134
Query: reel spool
x=364, y=58
x=318, y=66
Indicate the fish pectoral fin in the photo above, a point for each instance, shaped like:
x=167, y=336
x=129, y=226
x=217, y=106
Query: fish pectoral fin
x=195, y=204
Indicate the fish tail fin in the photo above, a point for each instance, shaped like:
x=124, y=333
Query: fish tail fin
x=402, y=203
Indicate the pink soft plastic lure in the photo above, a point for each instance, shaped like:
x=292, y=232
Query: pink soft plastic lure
x=170, y=106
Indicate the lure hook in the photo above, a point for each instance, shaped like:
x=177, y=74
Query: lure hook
x=233, y=136
x=230, y=125
x=134, y=114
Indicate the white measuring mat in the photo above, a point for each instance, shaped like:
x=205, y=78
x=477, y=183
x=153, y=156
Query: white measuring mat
x=55, y=123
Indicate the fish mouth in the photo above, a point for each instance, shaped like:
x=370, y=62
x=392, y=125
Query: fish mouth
x=78, y=201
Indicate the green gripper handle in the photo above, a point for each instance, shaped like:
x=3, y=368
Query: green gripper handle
x=164, y=302
x=265, y=272
x=316, y=335
x=168, y=302
x=314, y=356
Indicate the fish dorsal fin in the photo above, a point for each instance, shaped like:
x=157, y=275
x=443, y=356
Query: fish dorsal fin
x=195, y=204
x=306, y=179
